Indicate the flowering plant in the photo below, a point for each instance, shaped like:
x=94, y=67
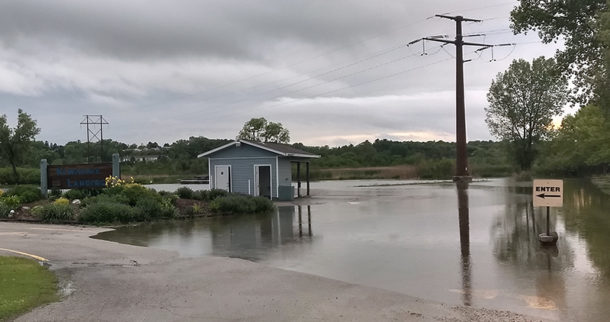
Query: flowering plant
x=112, y=181
x=61, y=201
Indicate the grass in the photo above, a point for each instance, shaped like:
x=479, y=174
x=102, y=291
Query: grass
x=390, y=172
x=24, y=284
x=158, y=178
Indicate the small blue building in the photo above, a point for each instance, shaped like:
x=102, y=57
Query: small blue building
x=257, y=169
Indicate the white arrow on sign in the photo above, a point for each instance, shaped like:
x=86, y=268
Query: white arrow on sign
x=547, y=193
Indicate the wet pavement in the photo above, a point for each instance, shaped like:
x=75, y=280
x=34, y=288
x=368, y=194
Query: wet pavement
x=107, y=281
x=475, y=246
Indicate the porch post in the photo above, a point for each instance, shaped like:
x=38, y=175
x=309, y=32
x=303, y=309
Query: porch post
x=307, y=176
x=299, y=179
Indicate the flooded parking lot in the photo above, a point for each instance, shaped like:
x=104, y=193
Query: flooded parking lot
x=474, y=246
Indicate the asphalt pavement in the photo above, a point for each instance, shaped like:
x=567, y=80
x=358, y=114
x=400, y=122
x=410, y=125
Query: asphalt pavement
x=107, y=281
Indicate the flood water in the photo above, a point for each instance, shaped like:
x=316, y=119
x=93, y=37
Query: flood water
x=476, y=246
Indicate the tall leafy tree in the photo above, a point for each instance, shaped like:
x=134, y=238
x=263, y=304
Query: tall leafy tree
x=578, y=24
x=522, y=102
x=580, y=144
x=261, y=130
x=15, y=143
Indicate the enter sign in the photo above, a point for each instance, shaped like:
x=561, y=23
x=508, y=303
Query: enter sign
x=547, y=193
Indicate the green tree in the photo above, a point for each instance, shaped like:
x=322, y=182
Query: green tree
x=261, y=130
x=604, y=83
x=15, y=143
x=577, y=23
x=522, y=103
x=580, y=144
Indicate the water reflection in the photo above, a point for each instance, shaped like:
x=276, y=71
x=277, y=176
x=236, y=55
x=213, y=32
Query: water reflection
x=251, y=237
x=548, y=267
x=248, y=236
x=586, y=213
x=405, y=239
x=462, y=191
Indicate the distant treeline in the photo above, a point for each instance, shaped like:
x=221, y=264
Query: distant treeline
x=433, y=159
x=178, y=158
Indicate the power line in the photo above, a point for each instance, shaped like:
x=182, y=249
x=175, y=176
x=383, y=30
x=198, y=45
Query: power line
x=322, y=54
x=375, y=55
x=342, y=47
x=349, y=75
x=379, y=65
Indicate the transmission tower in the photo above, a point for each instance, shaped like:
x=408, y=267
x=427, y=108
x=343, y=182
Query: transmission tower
x=461, y=172
x=95, y=131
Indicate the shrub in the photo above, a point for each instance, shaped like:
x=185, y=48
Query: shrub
x=11, y=201
x=171, y=198
x=151, y=208
x=197, y=209
x=134, y=192
x=4, y=210
x=55, y=193
x=61, y=201
x=241, y=204
x=200, y=195
x=185, y=193
x=107, y=212
x=215, y=193
x=168, y=208
x=55, y=212
x=75, y=194
x=26, y=175
x=26, y=194
x=262, y=204
x=148, y=208
x=118, y=198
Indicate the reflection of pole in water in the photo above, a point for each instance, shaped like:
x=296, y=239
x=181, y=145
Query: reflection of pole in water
x=309, y=220
x=531, y=205
x=462, y=188
x=301, y=221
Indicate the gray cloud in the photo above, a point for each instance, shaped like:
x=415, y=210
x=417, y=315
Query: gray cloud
x=331, y=71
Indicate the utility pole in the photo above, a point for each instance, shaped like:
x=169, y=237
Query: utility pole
x=462, y=173
x=95, y=128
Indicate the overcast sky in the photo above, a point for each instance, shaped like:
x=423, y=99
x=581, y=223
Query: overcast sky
x=332, y=72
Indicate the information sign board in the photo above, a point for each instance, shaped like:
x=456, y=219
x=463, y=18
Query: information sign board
x=78, y=176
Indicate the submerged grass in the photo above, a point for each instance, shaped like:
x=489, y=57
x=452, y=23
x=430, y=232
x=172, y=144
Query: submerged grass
x=24, y=284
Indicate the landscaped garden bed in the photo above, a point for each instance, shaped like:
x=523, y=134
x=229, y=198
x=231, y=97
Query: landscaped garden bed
x=122, y=202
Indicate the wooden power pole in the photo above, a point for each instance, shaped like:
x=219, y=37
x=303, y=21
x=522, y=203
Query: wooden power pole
x=461, y=172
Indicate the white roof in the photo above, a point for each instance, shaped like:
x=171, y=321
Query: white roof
x=288, y=151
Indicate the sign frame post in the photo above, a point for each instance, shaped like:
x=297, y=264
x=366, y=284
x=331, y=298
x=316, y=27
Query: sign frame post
x=44, y=183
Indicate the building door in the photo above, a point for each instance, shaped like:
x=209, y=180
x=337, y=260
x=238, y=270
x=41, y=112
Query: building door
x=262, y=181
x=222, y=177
